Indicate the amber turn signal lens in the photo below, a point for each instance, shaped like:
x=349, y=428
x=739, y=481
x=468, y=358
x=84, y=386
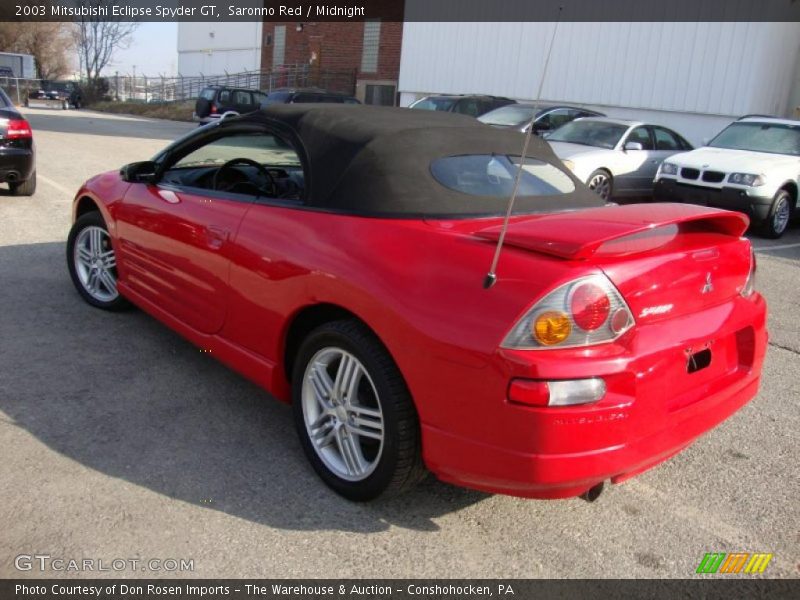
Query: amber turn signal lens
x=551, y=328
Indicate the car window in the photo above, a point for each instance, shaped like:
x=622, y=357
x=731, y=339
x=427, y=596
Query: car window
x=208, y=94
x=277, y=97
x=642, y=136
x=557, y=118
x=281, y=178
x=242, y=98
x=224, y=97
x=468, y=106
x=666, y=140
x=507, y=116
x=263, y=148
x=305, y=97
x=775, y=138
x=444, y=104
x=493, y=175
x=589, y=133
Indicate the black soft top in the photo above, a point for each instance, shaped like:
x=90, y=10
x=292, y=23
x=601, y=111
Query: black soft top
x=376, y=161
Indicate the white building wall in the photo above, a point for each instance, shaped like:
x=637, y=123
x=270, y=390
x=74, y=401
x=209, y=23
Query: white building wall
x=693, y=77
x=214, y=48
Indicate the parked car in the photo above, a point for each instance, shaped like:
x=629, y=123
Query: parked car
x=17, y=152
x=341, y=268
x=307, y=95
x=472, y=105
x=614, y=157
x=48, y=98
x=216, y=100
x=548, y=118
x=752, y=166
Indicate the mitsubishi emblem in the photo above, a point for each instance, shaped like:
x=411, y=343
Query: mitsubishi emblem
x=708, y=287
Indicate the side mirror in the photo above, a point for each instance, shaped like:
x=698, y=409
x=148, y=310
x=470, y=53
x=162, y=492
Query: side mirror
x=633, y=146
x=139, y=172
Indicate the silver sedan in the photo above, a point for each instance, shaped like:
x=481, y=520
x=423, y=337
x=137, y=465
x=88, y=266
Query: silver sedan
x=614, y=157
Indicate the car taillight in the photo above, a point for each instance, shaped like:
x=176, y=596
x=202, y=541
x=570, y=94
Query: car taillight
x=583, y=312
x=590, y=306
x=750, y=282
x=556, y=393
x=213, y=109
x=18, y=129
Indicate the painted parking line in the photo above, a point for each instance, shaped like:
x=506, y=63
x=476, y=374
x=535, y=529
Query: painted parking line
x=771, y=248
x=56, y=185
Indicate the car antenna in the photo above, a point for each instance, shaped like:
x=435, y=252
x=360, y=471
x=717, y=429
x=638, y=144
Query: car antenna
x=491, y=276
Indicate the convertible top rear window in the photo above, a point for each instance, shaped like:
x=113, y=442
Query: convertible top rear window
x=493, y=175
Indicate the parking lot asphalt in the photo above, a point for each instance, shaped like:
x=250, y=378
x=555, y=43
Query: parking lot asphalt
x=118, y=439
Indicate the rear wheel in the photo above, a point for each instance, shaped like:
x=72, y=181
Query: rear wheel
x=354, y=415
x=24, y=188
x=780, y=213
x=92, y=263
x=600, y=183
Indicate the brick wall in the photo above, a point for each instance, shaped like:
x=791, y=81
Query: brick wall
x=336, y=46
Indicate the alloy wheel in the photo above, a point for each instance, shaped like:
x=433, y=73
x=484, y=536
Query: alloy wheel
x=95, y=264
x=342, y=414
x=600, y=184
x=780, y=220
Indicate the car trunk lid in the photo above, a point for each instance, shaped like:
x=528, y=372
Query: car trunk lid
x=665, y=259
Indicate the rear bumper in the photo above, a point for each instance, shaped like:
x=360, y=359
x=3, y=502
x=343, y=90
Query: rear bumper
x=650, y=411
x=669, y=190
x=16, y=164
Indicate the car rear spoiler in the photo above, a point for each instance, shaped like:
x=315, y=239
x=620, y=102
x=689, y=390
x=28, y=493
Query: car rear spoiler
x=579, y=235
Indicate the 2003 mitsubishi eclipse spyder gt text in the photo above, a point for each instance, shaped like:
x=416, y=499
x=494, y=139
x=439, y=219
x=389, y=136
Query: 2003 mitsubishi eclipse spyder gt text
x=336, y=256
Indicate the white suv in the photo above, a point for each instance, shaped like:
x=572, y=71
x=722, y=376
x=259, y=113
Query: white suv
x=752, y=166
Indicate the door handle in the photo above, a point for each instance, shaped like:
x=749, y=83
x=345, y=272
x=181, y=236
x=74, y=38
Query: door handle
x=216, y=237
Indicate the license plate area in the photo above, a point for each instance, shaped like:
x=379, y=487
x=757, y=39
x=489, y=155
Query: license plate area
x=698, y=361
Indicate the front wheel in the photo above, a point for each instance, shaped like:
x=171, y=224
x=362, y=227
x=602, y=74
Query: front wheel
x=600, y=183
x=92, y=263
x=779, y=216
x=354, y=415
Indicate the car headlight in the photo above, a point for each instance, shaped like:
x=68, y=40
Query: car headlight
x=746, y=179
x=569, y=164
x=668, y=168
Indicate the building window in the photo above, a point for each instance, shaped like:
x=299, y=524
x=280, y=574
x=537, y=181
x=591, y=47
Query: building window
x=379, y=94
x=372, y=40
x=279, y=46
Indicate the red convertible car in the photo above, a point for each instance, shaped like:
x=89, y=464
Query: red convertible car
x=336, y=256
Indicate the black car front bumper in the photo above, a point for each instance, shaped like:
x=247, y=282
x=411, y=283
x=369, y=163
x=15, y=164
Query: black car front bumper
x=669, y=190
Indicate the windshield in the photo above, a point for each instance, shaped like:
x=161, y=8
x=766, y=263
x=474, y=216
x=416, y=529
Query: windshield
x=760, y=137
x=434, y=104
x=508, y=116
x=589, y=133
x=493, y=175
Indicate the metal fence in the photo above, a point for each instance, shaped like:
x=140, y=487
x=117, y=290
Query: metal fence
x=144, y=88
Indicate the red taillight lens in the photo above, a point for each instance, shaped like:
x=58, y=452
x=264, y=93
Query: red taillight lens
x=213, y=109
x=18, y=129
x=590, y=306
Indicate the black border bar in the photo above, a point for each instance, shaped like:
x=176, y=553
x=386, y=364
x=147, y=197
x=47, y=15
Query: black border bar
x=404, y=10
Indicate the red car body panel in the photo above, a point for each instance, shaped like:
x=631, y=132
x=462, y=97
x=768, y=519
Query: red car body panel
x=232, y=277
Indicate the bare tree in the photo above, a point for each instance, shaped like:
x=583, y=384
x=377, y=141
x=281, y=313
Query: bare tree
x=50, y=44
x=97, y=39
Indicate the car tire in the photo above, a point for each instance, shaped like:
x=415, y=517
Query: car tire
x=601, y=183
x=24, y=188
x=365, y=443
x=91, y=261
x=780, y=214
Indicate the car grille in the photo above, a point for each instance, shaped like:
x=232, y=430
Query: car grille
x=690, y=173
x=713, y=176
